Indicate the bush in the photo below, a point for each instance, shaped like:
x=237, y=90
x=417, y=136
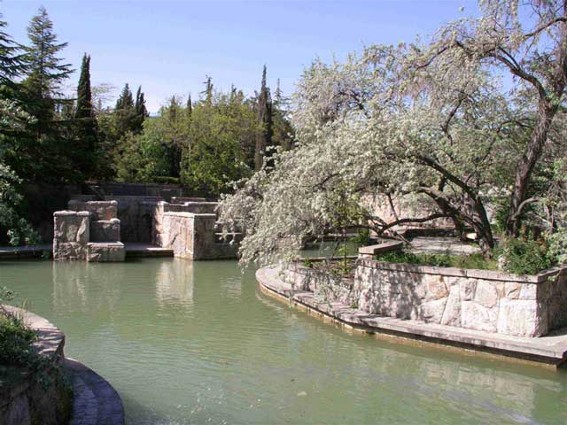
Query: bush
x=471, y=261
x=15, y=341
x=557, y=251
x=525, y=256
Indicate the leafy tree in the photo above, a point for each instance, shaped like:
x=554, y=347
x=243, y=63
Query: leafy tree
x=429, y=124
x=14, y=227
x=533, y=52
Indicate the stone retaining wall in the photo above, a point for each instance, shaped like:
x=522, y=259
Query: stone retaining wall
x=473, y=299
x=31, y=400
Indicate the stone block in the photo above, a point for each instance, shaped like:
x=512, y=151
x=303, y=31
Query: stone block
x=103, y=252
x=69, y=251
x=105, y=230
x=477, y=316
x=486, y=294
x=71, y=226
x=452, y=314
x=520, y=317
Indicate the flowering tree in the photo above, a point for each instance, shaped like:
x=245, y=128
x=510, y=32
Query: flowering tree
x=437, y=123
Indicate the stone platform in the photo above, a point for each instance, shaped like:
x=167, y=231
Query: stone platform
x=549, y=350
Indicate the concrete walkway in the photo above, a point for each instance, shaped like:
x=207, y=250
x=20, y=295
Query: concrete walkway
x=550, y=350
x=132, y=249
x=29, y=251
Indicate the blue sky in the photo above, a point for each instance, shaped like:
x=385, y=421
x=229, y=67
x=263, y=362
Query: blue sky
x=169, y=46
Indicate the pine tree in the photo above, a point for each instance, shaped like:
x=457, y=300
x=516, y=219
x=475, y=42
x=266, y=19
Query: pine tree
x=46, y=150
x=125, y=100
x=12, y=63
x=46, y=70
x=264, y=138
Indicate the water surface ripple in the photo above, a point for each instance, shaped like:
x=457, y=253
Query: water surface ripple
x=195, y=343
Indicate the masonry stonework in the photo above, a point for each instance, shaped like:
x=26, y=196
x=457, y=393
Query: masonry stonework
x=472, y=299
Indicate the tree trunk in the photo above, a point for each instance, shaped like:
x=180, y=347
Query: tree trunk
x=526, y=166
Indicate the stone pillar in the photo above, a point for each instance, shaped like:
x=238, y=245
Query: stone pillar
x=71, y=235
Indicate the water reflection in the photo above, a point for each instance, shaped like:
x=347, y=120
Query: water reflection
x=85, y=287
x=174, y=283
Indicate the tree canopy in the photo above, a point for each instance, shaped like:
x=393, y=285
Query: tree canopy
x=451, y=125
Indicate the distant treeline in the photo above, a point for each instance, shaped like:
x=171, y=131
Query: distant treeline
x=204, y=143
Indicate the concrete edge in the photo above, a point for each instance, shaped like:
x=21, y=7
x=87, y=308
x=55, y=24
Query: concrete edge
x=549, y=351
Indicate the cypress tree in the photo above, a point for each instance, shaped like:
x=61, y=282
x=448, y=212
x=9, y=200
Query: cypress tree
x=86, y=126
x=189, y=106
x=141, y=111
x=264, y=137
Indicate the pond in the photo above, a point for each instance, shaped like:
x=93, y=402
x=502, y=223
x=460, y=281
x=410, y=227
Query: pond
x=196, y=343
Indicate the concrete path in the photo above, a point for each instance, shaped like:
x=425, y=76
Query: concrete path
x=95, y=401
x=442, y=245
x=551, y=349
x=29, y=251
x=133, y=249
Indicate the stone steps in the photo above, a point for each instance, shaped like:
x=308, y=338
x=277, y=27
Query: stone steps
x=96, y=402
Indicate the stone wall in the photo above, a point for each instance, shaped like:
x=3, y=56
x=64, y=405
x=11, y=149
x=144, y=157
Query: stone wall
x=326, y=286
x=30, y=399
x=472, y=299
x=190, y=235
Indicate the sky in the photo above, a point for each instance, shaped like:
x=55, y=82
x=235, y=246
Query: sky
x=170, y=46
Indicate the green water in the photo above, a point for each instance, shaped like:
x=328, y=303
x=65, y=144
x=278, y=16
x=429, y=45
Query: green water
x=196, y=343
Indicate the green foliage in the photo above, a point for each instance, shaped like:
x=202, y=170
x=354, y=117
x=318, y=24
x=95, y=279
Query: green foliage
x=471, y=261
x=15, y=338
x=361, y=239
x=16, y=228
x=525, y=256
x=557, y=251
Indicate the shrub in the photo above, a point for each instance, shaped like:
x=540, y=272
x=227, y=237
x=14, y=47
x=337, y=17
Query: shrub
x=471, y=261
x=525, y=256
x=557, y=251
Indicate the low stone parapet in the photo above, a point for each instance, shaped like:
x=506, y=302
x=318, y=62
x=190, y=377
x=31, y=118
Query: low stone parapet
x=482, y=300
x=100, y=210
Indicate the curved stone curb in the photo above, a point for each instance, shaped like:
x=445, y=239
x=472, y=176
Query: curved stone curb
x=50, y=341
x=95, y=401
x=550, y=349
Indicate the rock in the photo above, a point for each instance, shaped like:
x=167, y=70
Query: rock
x=452, y=313
x=486, y=294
